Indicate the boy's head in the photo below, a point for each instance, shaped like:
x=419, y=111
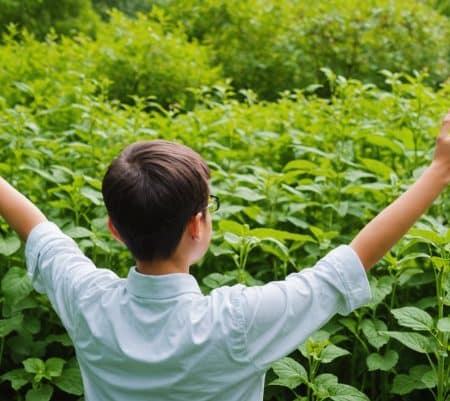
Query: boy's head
x=151, y=191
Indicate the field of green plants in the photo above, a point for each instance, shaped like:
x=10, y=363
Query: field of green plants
x=311, y=118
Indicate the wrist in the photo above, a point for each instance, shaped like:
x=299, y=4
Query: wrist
x=439, y=173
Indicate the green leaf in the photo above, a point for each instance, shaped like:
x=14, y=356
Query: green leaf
x=344, y=392
x=18, y=378
x=323, y=381
x=280, y=235
x=427, y=236
x=371, y=329
x=414, y=318
x=233, y=227
x=93, y=195
x=11, y=309
x=54, y=366
x=380, y=289
x=218, y=250
x=42, y=393
x=403, y=384
x=331, y=352
x=16, y=284
x=382, y=362
x=9, y=325
x=215, y=280
x=62, y=339
x=276, y=248
x=382, y=141
x=350, y=324
x=378, y=167
x=315, y=343
x=444, y=324
x=32, y=324
x=290, y=373
x=9, y=246
x=302, y=165
x=247, y=194
x=355, y=175
x=255, y=213
x=415, y=341
x=78, y=232
x=70, y=381
x=34, y=365
x=232, y=239
x=420, y=377
x=425, y=374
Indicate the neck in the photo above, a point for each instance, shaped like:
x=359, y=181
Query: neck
x=160, y=267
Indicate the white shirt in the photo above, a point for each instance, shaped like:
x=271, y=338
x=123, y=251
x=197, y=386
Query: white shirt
x=157, y=338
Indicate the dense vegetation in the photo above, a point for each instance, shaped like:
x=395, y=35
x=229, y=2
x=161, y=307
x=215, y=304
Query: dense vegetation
x=350, y=100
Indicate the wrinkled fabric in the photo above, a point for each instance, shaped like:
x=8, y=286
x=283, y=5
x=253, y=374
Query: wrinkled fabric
x=159, y=338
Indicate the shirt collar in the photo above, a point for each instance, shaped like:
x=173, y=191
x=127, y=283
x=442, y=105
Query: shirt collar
x=160, y=286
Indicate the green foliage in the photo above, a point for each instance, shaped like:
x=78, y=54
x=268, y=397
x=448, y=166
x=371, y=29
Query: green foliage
x=129, y=7
x=39, y=17
x=317, y=350
x=282, y=209
x=443, y=6
x=296, y=177
x=272, y=46
x=145, y=58
x=129, y=58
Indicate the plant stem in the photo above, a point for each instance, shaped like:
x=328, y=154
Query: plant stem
x=442, y=336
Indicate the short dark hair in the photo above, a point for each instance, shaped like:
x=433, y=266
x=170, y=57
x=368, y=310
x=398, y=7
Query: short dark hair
x=151, y=190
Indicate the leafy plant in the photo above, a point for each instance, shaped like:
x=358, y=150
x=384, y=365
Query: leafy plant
x=273, y=46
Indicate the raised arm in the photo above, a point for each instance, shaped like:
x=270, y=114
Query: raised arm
x=377, y=237
x=20, y=213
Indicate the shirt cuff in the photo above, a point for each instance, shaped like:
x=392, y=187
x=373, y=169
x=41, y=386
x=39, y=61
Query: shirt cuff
x=345, y=261
x=37, y=238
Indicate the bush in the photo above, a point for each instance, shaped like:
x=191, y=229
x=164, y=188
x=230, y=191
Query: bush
x=129, y=7
x=145, y=57
x=65, y=16
x=48, y=77
x=272, y=46
x=443, y=6
x=129, y=58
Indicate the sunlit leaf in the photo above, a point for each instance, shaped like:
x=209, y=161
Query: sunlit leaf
x=415, y=341
x=9, y=245
x=444, y=324
x=414, y=318
x=78, y=232
x=290, y=373
x=16, y=284
x=331, y=352
x=344, y=392
x=371, y=329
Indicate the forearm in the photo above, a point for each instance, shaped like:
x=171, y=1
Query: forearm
x=21, y=214
x=378, y=236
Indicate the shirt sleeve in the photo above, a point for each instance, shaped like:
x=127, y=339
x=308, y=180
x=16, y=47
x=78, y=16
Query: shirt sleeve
x=58, y=268
x=280, y=315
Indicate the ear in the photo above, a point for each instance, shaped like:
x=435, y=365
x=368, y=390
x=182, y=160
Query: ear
x=113, y=230
x=194, y=226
